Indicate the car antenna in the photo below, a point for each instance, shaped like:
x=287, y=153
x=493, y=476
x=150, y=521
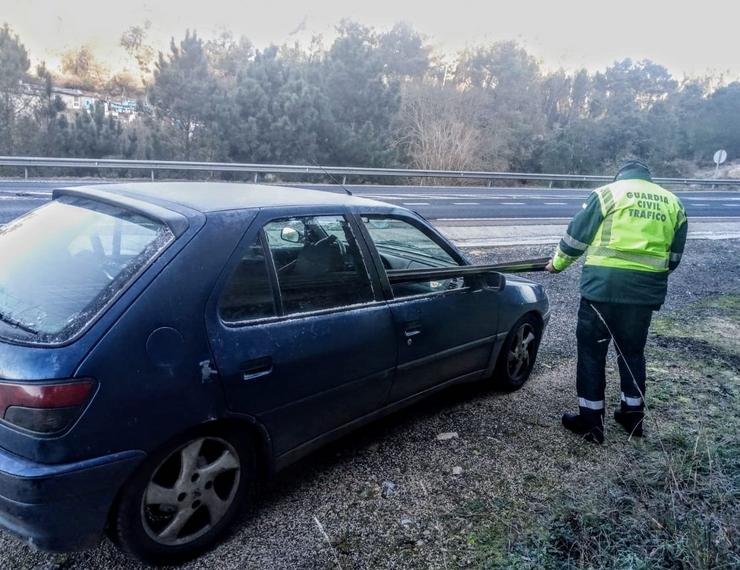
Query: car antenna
x=317, y=165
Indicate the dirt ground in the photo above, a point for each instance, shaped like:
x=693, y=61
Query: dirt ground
x=513, y=489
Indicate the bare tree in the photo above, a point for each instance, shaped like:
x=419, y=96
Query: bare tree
x=437, y=130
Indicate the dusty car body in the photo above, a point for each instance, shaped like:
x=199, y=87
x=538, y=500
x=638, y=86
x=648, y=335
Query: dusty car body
x=209, y=333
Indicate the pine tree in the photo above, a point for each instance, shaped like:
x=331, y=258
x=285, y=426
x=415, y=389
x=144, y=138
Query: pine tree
x=14, y=64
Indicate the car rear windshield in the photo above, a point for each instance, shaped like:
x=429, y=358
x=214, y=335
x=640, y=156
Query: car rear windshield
x=60, y=265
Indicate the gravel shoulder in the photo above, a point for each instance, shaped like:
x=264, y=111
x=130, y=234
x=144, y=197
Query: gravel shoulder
x=395, y=496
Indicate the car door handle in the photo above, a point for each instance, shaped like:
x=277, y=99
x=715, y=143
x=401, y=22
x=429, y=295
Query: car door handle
x=411, y=332
x=257, y=368
x=411, y=328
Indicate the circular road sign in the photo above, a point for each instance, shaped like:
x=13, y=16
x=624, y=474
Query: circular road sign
x=720, y=156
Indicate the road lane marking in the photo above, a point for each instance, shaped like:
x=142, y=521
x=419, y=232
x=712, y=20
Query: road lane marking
x=555, y=204
x=732, y=205
x=512, y=203
x=412, y=196
x=700, y=205
x=416, y=203
x=23, y=198
x=508, y=196
x=495, y=219
x=710, y=199
x=384, y=197
x=24, y=193
x=465, y=204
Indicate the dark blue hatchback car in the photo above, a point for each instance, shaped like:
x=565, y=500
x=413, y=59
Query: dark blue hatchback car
x=164, y=345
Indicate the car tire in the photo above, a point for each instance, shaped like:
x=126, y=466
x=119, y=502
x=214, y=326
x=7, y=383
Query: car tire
x=518, y=353
x=183, y=499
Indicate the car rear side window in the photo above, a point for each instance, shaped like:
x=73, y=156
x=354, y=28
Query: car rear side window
x=64, y=262
x=248, y=294
x=318, y=263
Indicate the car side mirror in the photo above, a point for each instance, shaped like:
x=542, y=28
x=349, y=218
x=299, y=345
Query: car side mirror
x=290, y=235
x=493, y=281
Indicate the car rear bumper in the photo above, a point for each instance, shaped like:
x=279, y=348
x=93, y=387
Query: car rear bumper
x=61, y=507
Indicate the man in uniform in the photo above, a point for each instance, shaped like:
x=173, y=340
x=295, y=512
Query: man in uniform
x=633, y=233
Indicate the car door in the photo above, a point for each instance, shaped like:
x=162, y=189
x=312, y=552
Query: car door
x=445, y=329
x=302, y=338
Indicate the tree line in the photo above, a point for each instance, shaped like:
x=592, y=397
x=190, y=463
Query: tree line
x=370, y=98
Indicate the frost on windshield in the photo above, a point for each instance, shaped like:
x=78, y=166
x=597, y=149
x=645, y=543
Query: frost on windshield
x=65, y=262
x=78, y=320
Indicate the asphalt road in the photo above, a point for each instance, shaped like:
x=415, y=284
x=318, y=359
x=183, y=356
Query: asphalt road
x=455, y=202
x=442, y=203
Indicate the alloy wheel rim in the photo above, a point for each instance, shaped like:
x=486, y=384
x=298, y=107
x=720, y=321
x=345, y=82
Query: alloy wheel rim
x=190, y=492
x=521, y=350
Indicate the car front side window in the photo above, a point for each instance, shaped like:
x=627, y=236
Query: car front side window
x=402, y=245
x=318, y=263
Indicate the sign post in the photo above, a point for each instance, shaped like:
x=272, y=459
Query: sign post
x=719, y=157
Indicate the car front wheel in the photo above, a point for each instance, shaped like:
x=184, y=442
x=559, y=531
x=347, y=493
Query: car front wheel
x=183, y=499
x=518, y=353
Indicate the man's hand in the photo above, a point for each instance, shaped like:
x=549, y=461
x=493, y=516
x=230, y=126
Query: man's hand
x=550, y=268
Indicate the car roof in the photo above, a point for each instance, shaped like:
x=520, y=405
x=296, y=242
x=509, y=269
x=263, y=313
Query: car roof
x=217, y=196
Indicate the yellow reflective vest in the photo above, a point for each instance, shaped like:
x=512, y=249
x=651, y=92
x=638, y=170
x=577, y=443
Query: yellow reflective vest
x=633, y=233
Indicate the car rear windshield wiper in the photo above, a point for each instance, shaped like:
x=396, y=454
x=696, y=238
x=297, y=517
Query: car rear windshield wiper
x=17, y=324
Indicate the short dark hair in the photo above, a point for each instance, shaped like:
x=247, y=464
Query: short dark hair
x=633, y=169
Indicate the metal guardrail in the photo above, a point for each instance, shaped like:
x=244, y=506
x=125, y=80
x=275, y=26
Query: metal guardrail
x=27, y=162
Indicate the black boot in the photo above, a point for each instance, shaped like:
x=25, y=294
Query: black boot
x=589, y=425
x=630, y=419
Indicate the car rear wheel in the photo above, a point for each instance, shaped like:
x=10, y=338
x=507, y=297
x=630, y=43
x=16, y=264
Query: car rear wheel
x=518, y=353
x=182, y=500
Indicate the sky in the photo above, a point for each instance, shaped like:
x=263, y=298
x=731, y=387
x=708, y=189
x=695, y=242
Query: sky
x=688, y=37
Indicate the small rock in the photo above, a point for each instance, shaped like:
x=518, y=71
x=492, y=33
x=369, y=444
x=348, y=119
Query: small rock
x=407, y=523
x=446, y=435
x=370, y=491
x=389, y=489
x=419, y=542
x=373, y=447
x=457, y=470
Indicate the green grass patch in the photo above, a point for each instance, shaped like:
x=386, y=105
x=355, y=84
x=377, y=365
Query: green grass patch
x=670, y=500
x=710, y=325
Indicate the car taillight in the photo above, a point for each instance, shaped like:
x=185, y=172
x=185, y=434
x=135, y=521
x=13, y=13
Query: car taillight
x=43, y=408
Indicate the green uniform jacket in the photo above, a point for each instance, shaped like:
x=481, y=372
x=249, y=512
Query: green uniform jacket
x=633, y=233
